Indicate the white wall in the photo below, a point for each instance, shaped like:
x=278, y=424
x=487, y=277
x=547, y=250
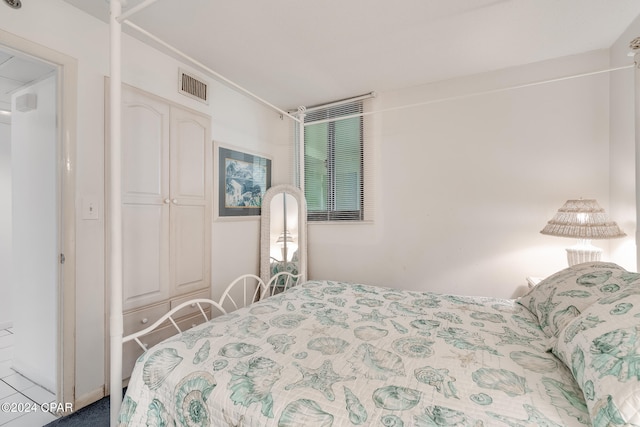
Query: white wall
x=249, y=128
x=236, y=121
x=465, y=186
x=35, y=235
x=6, y=250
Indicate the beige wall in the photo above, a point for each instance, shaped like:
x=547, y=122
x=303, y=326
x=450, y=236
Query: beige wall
x=465, y=186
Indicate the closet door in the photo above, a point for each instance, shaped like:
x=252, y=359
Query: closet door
x=191, y=179
x=145, y=198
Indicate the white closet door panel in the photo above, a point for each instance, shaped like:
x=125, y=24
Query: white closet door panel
x=191, y=251
x=191, y=179
x=145, y=254
x=145, y=148
x=190, y=151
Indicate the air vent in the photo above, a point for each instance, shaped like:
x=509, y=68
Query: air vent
x=193, y=87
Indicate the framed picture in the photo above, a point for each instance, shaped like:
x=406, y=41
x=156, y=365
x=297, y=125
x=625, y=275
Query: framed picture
x=243, y=180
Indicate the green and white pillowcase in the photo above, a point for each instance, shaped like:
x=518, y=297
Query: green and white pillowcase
x=561, y=297
x=601, y=347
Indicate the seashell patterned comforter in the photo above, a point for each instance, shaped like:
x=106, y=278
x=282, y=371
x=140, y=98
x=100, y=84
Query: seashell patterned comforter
x=337, y=354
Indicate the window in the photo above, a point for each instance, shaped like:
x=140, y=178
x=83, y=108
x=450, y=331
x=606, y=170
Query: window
x=333, y=163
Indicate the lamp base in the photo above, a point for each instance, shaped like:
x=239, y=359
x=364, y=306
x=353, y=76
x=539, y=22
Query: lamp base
x=584, y=251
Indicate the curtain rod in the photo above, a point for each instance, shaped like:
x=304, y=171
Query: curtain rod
x=471, y=95
x=209, y=70
x=338, y=102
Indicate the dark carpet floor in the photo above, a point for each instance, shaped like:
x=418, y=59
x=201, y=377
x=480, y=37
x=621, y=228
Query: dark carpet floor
x=94, y=415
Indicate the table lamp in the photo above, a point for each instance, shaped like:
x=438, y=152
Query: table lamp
x=287, y=243
x=584, y=220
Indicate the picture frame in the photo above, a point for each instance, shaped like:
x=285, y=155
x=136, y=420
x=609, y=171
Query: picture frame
x=243, y=180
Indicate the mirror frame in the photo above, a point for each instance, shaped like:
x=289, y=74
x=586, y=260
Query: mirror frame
x=265, y=230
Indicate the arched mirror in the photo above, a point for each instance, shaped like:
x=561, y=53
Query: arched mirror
x=283, y=240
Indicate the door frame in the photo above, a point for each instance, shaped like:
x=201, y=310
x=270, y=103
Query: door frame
x=67, y=72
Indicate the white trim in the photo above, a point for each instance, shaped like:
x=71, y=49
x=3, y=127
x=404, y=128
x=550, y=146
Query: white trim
x=88, y=398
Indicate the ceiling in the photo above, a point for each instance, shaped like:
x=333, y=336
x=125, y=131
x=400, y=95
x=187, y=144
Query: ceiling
x=308, y=52
x=17, y=71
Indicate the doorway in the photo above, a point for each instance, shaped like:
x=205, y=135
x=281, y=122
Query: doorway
x=32, y=284
x=37, y=252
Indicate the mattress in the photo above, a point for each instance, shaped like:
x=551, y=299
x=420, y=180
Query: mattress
x=329, y=353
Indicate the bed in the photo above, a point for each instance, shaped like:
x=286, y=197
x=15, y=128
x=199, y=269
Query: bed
x=327, y=353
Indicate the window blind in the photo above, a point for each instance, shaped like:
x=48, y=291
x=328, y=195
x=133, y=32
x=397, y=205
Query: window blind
x=334, y=162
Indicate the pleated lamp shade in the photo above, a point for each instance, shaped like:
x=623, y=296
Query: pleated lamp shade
x=582, y=219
